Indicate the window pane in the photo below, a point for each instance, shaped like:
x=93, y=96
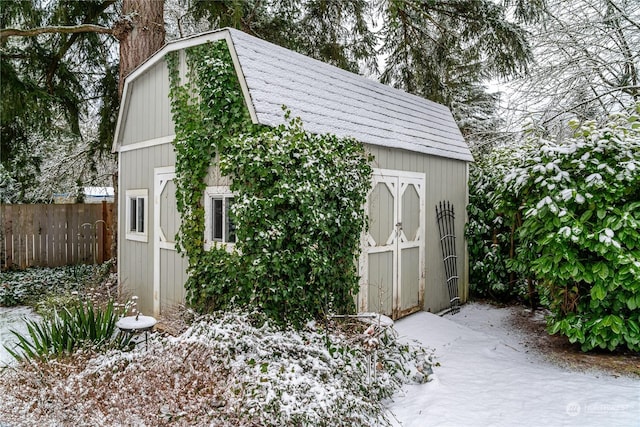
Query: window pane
x=140, y=215
x=216, y=219
x=132, y=214
x=230, y=227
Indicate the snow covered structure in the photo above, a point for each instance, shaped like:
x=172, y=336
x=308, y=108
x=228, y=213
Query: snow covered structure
x=420, y=159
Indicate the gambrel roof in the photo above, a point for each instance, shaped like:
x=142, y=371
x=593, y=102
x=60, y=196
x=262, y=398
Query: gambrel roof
x=326, y=98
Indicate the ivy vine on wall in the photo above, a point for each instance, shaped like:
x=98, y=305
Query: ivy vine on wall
x=298, y=199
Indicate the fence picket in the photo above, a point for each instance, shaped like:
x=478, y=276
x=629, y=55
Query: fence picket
x=55, y=235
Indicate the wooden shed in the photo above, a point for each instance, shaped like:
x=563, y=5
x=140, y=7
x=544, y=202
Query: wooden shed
x=420, y=156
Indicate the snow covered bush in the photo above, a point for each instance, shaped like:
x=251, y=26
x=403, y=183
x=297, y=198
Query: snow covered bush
x=22, y=287
x=489, y=235
x=580, y=234
x=228, y=369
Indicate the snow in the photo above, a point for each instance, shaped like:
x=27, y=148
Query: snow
x=489, y=377
x=136, y=323
x=329, y=99
x=486, y=375
x=12, y=318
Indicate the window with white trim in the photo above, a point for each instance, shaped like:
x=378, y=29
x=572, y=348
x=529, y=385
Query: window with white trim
x=219, y=226
x=137, y=214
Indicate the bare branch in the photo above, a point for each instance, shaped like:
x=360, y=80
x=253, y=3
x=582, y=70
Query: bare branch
x=83, y=28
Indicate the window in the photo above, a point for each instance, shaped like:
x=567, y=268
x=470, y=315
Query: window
x=219, y=226
x=137, y=215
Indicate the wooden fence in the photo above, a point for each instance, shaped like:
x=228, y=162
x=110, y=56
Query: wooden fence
x=55, y=235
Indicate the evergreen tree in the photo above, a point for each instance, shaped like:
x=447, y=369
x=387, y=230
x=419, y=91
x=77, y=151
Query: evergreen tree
x=444, y=51
x=59, y=80
x=46, y=82
x=66, y=71
x=336, y=32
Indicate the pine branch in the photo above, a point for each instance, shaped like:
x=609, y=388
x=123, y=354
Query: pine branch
x=59, y=29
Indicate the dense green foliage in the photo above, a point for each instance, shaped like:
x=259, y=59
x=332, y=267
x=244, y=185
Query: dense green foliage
x=203, y=124
x=299, y=218
x=298, y=208
x=490, y=238
x=27, y=287
x=574, y=208
x=48, y=86
x=580, y=234
x=80, y=326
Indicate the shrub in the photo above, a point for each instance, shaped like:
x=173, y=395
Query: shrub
x=27, y=287
x=490, y=236
x=81, y=325
x=580, y=234
x=232, y=368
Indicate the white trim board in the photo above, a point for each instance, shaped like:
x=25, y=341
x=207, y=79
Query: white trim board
x=161, y=176
x=146, y=144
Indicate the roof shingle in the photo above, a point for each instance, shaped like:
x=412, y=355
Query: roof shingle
x=331, y=100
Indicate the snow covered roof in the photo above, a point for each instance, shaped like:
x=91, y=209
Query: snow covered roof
x=329, y=99
x=99, y=191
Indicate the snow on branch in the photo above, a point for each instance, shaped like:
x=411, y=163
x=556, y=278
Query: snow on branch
x=84, y=28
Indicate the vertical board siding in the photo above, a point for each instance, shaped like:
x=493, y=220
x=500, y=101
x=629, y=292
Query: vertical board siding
x=42, y=235
x=136, y=263
x=410, y=276
x=148, y=113
x=380, y=292
x=445, y=180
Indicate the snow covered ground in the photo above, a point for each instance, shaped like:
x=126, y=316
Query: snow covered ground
x=488, y=377
x=12, y=318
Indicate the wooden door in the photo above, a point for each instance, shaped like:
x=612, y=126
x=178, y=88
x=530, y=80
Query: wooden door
x=392, y=260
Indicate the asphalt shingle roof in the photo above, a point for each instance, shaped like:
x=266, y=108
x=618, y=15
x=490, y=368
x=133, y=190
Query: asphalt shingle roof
x=331, y=100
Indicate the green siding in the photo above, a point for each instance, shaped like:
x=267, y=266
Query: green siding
x=380, y=283
x=148, y=108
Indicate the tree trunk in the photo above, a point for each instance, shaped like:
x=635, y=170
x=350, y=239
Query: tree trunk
x=141, y=33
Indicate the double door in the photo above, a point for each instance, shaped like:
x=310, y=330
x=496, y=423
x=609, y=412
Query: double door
x=392, y=259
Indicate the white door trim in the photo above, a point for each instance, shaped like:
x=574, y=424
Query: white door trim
x=161, y=176
x=397, y=182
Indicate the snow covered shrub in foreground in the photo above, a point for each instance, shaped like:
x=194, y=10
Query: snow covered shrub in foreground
x=232, y=369
x=283, y=377
x=20, y=287
x=581, y=230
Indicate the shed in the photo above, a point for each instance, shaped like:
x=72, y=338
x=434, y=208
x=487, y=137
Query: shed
x=91, y=195
x=420, y=157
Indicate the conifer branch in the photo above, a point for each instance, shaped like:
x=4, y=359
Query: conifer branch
x=83, y=28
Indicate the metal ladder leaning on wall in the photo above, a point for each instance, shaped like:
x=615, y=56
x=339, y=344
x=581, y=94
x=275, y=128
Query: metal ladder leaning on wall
x=446, y=217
